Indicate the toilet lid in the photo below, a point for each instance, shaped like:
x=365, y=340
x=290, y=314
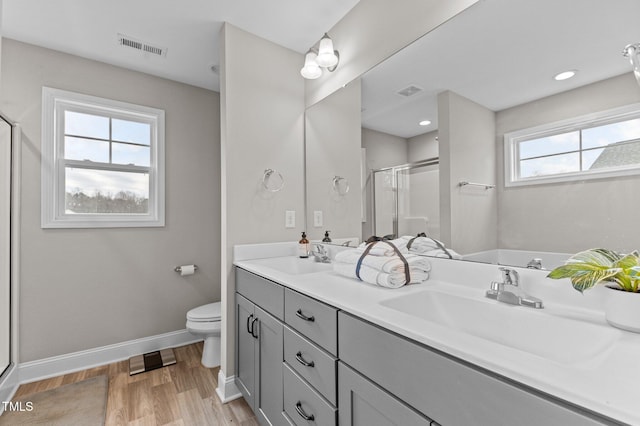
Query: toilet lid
x=208, y=312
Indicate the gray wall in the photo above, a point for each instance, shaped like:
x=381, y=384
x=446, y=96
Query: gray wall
x=262, y=127
x=468, y=215
x=422, y=147
x=332, y=148
x=383, y=149
x=572, y=216
x=86, y=288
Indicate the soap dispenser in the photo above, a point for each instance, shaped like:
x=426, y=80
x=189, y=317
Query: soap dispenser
x=303, y=246
x=326, y=238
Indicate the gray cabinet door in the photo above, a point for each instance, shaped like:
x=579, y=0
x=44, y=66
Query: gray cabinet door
x=362, y=403
x=269, y=395
x=246, y=363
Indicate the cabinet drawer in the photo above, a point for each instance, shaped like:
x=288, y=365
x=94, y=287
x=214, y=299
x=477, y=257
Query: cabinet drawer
x=312, y=363
x=301, y=400
x=450, y=391
x=315, y=320
x=264, y=293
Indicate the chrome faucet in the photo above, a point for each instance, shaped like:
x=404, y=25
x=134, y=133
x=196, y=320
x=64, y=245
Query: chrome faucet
x=535, y=263
x=320, y=253
x=510, y=277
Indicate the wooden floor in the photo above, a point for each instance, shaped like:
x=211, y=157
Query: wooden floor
x=181, y=394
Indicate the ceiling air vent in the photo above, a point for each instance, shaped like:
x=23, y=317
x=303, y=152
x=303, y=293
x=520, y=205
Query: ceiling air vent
x=409, y=91
x=142, y=46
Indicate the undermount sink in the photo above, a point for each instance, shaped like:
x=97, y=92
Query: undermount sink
x=294, y=265
x=560, y=339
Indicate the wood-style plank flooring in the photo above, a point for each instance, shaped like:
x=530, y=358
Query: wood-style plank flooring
x=179, y=395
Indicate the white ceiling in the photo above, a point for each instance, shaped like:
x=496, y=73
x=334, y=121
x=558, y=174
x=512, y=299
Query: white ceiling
x=501, y=53
x=189, y=29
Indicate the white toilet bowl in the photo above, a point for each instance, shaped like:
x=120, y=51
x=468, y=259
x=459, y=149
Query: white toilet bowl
x=204, y=321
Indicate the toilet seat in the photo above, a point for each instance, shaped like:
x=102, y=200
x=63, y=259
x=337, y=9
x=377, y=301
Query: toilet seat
x=205, y=313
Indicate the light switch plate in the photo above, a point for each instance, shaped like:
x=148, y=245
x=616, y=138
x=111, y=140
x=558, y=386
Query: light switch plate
x=290, y=219
x=317, y=218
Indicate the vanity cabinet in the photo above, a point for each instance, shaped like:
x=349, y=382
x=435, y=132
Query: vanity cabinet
x=259, y=346
x=303, y=362
x=448, y=390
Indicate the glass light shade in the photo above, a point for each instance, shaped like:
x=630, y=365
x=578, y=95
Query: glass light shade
x=310, y=70
x=632, y=51
x=326, y=56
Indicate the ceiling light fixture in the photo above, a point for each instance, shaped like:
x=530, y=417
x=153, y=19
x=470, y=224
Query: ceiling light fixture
x=326, y=57
x=632, y=51
x=424, y=123
x=565, y=75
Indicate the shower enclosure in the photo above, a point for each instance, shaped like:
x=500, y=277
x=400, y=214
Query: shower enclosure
x=406, y=199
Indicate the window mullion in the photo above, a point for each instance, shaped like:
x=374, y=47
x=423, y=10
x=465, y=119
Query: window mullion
x=110, y=140
x=94, y=165
x=580, y=145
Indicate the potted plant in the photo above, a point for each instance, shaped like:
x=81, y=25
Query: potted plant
x=620, y=273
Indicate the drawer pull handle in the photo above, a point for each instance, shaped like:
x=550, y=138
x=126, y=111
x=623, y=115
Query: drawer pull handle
x=299, y=314
x=308, y=417
x=253, y=329
x=303, y=361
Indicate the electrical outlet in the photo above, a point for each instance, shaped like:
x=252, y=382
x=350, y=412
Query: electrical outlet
x=290, y=219
x=317, y=219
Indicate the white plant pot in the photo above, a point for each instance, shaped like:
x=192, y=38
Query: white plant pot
x=622, y=309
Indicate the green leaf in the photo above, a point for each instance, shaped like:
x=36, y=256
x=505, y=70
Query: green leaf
x=590, y=267
x=599, y=257
x=627, y=262
x=584, y=280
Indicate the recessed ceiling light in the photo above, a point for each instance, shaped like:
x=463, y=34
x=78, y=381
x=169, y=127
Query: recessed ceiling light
x=425, y=122
x=565, y=75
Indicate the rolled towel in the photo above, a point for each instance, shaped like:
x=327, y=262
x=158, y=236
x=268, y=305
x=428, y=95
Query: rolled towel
x=385, y=271
x=374, y=276
x=386, y=264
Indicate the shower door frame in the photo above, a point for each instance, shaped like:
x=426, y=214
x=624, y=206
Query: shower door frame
x=8, y=378
x=394, y=183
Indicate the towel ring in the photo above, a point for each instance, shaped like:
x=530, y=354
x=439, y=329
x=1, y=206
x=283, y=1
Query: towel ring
x=340, y=185
x=272, y=180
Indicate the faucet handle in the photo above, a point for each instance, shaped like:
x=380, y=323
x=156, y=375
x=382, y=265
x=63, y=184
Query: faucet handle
x=510, y=276
x=319, y=248
x=496, y=286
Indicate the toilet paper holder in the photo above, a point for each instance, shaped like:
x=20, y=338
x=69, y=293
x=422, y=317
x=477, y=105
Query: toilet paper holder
x=178, y=269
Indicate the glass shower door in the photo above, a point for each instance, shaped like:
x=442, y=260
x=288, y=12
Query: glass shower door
x=384, y=202
x=418, y=200
x=5, y=245
x=406, y=199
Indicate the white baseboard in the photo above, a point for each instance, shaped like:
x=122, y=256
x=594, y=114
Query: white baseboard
x=77, y=361
x=227, y=390
x=8, y=385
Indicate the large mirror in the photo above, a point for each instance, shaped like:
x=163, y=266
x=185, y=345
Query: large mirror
x=486, y=73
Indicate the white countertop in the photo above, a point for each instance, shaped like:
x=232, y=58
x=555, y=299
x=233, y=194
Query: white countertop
x=608, y=383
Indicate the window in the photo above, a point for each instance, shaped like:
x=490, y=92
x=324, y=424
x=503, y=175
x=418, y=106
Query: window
x=102, y=162
x=598, y=145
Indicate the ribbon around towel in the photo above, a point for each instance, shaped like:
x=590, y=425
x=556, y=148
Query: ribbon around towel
x=407, y=275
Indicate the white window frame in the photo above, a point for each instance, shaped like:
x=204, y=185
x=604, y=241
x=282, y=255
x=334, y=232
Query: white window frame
x=512, y=140
x=53, y=215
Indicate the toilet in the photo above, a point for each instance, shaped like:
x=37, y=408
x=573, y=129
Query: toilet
x=204, y=321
